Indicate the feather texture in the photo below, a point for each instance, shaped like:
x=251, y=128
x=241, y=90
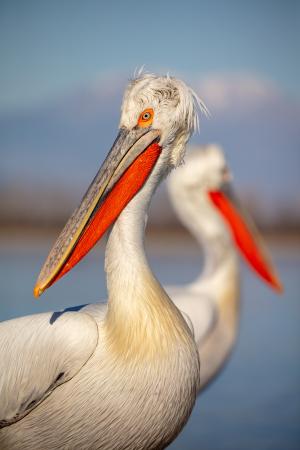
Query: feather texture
x=137, y=387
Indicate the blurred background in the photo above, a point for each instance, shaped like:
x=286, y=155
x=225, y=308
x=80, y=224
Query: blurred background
x=64, y=66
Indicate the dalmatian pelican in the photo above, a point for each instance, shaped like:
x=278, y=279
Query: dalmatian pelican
x=204, y=201
x=125, y=377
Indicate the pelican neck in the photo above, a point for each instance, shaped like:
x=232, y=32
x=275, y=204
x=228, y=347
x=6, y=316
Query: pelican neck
x=140, y=315
x=126, y=264
x=214, y=237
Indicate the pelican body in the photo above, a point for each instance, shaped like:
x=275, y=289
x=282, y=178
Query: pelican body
x=125, y=377
x=204, y=201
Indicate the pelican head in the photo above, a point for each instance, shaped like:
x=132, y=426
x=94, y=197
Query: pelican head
x=203, y=196
x=158, y=115
x=205, y=170
x=168, y=105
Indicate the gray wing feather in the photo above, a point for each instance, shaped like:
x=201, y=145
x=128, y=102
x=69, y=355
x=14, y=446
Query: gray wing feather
x=37, y=354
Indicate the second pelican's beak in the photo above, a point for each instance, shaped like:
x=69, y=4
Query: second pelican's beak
x=246, y=235
x=121, y=176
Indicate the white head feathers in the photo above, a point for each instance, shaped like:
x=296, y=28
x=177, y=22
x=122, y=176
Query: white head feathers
x=205, y=170
x=175, y=108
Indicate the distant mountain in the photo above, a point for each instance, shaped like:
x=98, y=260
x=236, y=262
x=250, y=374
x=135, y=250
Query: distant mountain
x=58, y=142
x=59, y=146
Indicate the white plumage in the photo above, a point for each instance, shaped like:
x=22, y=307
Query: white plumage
x=126, y=377
x=210, y=304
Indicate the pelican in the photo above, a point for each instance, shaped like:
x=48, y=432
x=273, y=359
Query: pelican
x=125, y=376
x=204, y=201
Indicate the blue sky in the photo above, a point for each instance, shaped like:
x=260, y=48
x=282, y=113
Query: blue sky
x=50, y=47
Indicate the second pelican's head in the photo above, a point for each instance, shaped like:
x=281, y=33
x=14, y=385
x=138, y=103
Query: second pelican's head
x=158, y=115
x=204, y=200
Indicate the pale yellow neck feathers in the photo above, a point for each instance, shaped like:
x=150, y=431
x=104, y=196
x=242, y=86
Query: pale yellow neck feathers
x=144, y=323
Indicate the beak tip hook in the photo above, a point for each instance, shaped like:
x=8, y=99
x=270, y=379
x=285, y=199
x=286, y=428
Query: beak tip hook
x=37, y=291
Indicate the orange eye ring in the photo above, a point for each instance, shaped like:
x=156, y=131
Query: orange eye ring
x=146, y=118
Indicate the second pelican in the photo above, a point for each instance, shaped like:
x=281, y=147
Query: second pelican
x=204, y=201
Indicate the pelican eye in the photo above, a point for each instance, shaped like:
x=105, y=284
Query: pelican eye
x=146, y=118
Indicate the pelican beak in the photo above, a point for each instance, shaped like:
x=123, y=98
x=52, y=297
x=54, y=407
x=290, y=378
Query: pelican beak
x=245, y=235
x=123, y=173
